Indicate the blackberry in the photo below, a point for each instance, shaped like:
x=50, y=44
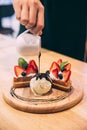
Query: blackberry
x=23, y=73
x=38, y=76
x=47, y=72
x=60, y=76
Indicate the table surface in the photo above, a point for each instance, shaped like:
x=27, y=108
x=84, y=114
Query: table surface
x=74, y=118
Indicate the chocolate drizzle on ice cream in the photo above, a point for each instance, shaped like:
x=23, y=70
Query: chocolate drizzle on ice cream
x=41, y=83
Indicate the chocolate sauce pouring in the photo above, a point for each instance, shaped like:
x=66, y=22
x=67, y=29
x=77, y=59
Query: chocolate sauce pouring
x=41, y=75
x=39, y=56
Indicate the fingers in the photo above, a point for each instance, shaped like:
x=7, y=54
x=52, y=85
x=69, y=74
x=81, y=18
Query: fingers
x=21, y=10
x=30, y=14
x=24, y=14
x=32, y=17
x=17, y=8
x=39, y=20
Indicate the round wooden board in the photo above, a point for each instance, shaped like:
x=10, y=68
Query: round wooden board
x=53, y=102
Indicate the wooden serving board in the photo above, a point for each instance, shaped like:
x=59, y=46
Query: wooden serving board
x=23, y=99
x=55, y=101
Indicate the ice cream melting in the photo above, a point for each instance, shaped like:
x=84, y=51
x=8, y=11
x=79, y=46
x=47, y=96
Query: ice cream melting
x=40, y=84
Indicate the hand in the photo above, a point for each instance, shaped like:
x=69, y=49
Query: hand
x=30, y=13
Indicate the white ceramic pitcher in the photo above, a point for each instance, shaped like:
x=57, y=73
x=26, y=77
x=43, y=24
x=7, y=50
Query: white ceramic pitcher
x=28, y=44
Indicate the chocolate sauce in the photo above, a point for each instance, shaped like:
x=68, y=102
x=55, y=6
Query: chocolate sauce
x=39, y=56
x=42, y=75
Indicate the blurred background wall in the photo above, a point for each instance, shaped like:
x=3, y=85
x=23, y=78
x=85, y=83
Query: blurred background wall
x=10, y=26
x=8, y=23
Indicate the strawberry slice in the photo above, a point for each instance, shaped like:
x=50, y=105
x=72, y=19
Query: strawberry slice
x=30, y=69
x=54, y=66
x=59, y=61
x=55, y=72
x=18, y=70
x=33, y=63
x=66, y=75
x=67, y=66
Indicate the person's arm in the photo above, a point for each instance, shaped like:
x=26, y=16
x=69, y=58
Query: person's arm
x=30, y=13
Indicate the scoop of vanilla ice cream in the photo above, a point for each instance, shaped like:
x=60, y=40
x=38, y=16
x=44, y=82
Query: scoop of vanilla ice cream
x=40, y=86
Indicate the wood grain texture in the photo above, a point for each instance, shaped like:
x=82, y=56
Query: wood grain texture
x=57, y=100
x=74, y=118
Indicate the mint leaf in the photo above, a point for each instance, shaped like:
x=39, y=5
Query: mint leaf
x=63, y=64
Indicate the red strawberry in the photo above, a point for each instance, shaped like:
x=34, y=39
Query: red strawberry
x=54, y=65
x=66, y=75
x=30, y=69
x=18, y=70
x=55, y=72
x=33, y=63
x=67, y=66
x=59, y=61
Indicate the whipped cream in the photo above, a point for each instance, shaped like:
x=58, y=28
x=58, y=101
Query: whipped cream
x=40, y=86
x=53, y=77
